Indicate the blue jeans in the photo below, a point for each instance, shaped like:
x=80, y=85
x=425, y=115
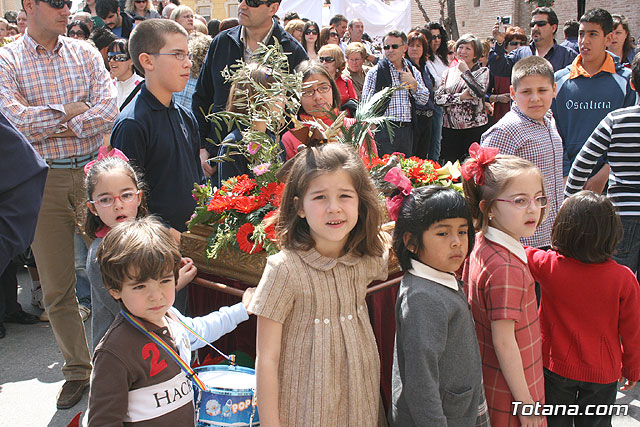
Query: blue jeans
x=628, y=250
x=83, y=287
x=436, y=134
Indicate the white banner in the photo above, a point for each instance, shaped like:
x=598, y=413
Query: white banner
x=311, y=9
x=378, y=17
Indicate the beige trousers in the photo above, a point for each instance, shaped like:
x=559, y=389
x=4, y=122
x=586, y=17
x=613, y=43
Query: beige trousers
x=53, y=250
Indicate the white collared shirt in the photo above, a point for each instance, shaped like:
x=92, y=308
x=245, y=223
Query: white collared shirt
x=445, y=279
x=503, y=239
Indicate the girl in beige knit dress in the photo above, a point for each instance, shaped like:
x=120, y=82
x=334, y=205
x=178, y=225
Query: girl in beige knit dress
x=317, y=363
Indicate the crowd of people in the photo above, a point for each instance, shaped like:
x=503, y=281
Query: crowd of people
x=114, y=99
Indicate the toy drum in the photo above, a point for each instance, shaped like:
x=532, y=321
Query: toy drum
x=229, y=398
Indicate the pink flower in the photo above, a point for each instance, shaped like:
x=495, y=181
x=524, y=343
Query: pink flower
x=261, y=168
x=253, y=147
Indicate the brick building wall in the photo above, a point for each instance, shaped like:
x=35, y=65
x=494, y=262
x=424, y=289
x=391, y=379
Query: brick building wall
x=478, y=16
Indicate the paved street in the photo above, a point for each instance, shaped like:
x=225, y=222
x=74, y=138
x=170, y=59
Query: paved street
x=30, y=376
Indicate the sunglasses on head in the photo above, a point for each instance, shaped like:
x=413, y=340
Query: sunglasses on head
x=118, y=56
x=538, y=23
x=517, y=43
x=58, y=4
x=328, y=59
x=255, y=3
x=311, y=32
x=392, y=46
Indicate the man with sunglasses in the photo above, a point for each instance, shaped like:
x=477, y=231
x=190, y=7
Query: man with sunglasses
x=257, y=25
x=391, y=71
x=56, y=91
x=544, y=24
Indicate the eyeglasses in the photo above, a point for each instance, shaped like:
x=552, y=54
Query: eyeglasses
x=516, y=43
x=180, y=56
x=107, y=201
x=523, y=202
x=311, y=32
x=392, y=46
x=328, y=59
x=538, y=23
x=58, y=4
x=255, y=3
x=437, y=36
x=118, y=56
x=333, y=34
x=78, y=33
x=321, y=89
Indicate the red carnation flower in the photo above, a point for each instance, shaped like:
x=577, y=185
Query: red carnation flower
x=244, y=185
x=248, y=204
x=272, y=193
x=219, y=204
x=270, y=226
x=243, y=237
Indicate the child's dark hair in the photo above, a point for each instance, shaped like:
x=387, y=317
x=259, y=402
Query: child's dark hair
x=420, y=210
x=497, y=176
x=92, y=222
x=600, y=17
x=150, y=36
x=587, y=228
x=139, y=249
x=293, y=231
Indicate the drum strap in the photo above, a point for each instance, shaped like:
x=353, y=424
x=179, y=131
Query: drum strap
x=160, y=342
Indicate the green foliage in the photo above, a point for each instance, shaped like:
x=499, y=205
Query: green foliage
x=261, y=112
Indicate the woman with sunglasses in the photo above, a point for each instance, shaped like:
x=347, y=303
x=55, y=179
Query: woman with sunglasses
x=78, y=30
x=141, y=8
x=295, y=27
x=332, y=58
x=498, y=91
x=126, y=81
x=311, y=39
x=436, y=63
x=329, y=35
x=461, y=95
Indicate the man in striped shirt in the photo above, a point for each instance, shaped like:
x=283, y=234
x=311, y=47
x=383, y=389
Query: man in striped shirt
x=57, y=92
x=618, y=138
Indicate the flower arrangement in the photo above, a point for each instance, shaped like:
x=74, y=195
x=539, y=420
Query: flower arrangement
x=240, y=213
x=421, y=172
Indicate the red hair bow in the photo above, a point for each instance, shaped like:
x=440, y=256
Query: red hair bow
x=395, y=177
x=480, y=157
x=103, y=154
